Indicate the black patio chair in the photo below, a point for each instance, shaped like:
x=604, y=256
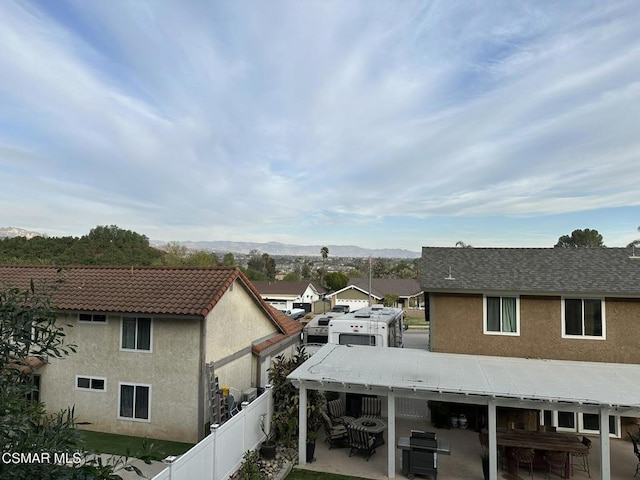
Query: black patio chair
x=335, y=434
x=524, y=456
x=583, y=457
x=360, y=441
x=371, y=407
x=637, y=453
x=338, y=412
x=556, y=461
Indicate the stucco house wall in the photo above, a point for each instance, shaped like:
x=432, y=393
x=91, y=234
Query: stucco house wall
x=459, y=329
x=171, y=369
x=231, y=327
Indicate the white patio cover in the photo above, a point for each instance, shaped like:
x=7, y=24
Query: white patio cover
x=590, y=387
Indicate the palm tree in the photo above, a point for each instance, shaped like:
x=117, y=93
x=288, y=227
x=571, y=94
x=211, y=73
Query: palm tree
x=324, y=251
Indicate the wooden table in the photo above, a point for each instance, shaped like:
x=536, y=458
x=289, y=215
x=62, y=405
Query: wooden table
x=541, y=442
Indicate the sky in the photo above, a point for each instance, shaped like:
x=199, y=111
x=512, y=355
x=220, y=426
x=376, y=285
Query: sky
x=381, y=124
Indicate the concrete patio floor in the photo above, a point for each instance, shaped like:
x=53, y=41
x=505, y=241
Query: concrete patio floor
x=464, y=461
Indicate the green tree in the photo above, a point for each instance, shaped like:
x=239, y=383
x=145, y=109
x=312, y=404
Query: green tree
x=305, y=271
x=461, y=244
x=229, y=260
x=336, y=280
x=581, y=238
x=292, y=277
x=390, y=300
x=262, y=263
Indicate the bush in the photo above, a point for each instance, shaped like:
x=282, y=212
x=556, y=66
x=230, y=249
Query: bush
x=249, y=468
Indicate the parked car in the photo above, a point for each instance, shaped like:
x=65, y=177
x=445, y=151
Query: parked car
x=296, y=313
x=340, y=309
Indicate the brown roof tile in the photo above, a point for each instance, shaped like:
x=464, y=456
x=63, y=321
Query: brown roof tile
x=151, y=290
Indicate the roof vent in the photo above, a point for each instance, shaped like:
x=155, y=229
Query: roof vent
x=324, y=321
x=633, y=252
x=450, y=277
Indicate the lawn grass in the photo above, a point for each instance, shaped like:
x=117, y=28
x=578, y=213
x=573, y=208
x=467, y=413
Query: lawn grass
x=415, y=321
x=298, y=474
x=109, y=443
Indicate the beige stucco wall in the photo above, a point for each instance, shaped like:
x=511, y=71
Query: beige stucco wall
x=172, y=370
x=352, y=294
x=457, y=327
x=232, y=326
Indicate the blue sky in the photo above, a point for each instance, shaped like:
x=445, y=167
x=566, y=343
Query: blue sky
x=381, y=124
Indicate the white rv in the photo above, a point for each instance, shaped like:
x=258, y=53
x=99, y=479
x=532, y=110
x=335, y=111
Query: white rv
x=377, y=326
x=316, y=333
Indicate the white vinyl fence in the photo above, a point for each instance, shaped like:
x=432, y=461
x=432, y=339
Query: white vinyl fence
x=219, y=455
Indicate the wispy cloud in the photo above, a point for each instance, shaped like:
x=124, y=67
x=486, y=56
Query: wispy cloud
x=250, y=119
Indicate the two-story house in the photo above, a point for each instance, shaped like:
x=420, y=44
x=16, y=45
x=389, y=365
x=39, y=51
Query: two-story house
x=551, y=303
x=147, y=338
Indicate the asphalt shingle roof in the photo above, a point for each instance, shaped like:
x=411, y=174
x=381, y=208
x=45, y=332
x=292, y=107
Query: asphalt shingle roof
x=189, y=291
x=597, y=271
x=404, y=287
x=282, y=287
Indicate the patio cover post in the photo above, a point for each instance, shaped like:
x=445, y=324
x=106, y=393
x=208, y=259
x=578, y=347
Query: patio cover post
x=302, y=425
x=391, y=445
x=493, y=441
x=605, y=445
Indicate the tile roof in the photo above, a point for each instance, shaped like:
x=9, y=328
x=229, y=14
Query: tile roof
x=189, y=291
x=288, y=325
x=404, y=287
x=594, y=271
x=282, y=287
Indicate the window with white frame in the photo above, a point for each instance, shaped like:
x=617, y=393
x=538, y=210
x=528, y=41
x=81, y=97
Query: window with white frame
x=92, y=318
x=134, y=402
x=136, y=333
x=91, y=383
x=583, y=317
x=501, y=315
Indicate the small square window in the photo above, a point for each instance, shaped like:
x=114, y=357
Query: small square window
x=97, y=384
x=92, y=317
x=84, y=382
x=91, y=383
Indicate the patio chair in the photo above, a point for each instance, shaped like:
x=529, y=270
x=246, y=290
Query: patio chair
x=371, y=407
x=338, y=412
x=524, y=456
x=637, y=453
x=360, y=441
x=583, y=457
x=233, y=407
x=335, y=434
x=484, y=441
x=556, y=461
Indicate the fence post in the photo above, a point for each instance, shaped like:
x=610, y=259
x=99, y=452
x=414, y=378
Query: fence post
x=269, y=392
x=214, y=432
x=169, y=462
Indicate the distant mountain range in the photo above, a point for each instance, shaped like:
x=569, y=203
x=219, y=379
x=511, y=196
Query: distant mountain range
x=272, y=248
x=277, y=248
x=18, y=232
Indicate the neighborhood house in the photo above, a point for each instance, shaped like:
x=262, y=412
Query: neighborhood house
x=549, y=303
x=156, y=345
